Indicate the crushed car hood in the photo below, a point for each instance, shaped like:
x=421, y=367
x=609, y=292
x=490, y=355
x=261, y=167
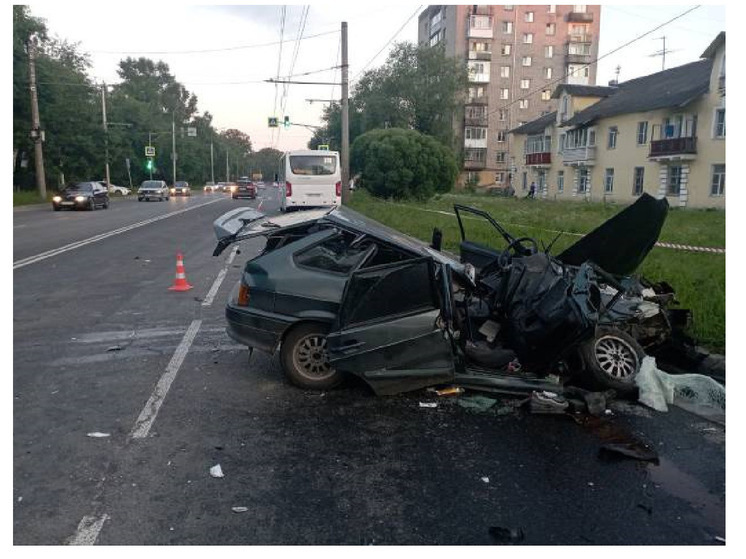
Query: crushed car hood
x=620, y=244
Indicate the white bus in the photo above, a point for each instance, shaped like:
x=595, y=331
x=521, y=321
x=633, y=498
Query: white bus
x=309, y=179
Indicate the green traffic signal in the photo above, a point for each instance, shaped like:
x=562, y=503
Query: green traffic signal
x=149, y=165
x=287, y=122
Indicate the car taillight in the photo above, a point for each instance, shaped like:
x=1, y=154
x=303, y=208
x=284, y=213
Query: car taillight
x=288, y=189
x=243, y=295
x=339, y=188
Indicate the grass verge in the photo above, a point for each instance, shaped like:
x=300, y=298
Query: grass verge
x=698, y=278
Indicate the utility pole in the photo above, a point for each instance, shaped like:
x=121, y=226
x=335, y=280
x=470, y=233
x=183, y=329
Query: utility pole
x=173, y=144
x=150, y=144
x=212, y=164
x=36, y=132
x=106, y=133
x=345, y=121
x=227, y=173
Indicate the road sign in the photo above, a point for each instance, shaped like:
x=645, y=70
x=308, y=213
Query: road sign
x=149, y=151
x=323, y=147
x=272, y=122
x=191, y=131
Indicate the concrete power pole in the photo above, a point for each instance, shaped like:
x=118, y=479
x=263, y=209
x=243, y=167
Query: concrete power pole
x=173, y=144
x=345, y=121
x=212, y=164
x=36, y=132
x=106, y=133
x=227, y=173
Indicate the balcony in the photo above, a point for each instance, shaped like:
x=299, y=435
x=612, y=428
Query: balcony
x=721, y=86
x=585, y=155
x=542, y=158
x=479, y=55
x=480, y=27
x=476, y=120
x=580, y=17
x=673, y=148
x=474, y=165
x=580, y=38
x=483, y=100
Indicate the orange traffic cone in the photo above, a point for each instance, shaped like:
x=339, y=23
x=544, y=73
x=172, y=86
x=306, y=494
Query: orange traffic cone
x=180, y=282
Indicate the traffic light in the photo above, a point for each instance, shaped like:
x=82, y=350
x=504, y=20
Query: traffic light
x=149, y=165
x=287, y=121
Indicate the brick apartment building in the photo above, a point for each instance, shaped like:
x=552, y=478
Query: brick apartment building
x=516, y=55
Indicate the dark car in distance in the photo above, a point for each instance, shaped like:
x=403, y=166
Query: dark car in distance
x=244, y=188
x=82, y=196
x=181, y=188
x=339, y=293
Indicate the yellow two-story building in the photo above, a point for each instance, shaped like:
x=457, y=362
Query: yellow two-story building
x=663, y=134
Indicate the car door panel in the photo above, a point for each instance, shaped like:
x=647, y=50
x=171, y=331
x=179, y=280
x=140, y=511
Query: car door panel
x=389, y=329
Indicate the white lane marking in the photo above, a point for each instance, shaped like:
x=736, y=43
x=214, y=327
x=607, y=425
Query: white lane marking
x=150, y=411
x=88, y=530
x=218, y=280
x=54, y=252
x=122, y=335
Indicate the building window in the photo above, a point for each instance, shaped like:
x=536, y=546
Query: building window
x=717, y=187
x=642, y=133
x=476, y=93
x=552, y=8
x=548, y=73
x=609, y=181
x=582, y=180
x=523, y=104
x=500, y=157
x=591, y=137
x=561, y=143
x=475, y=133
x=613, y=132
x=502, y=114
x=720, y=123
x=435, y=39
x=504, y=93
x=638, y=183
x=505, y=50
x=551, y=28
x=546, y=95
x=548, y=51
x=529, y=17
x=528, y=38
x=673, y=187
x=479, y=155
x=481, y=22
x=526, y=61
x=508, y=6
x=560, y=181
x=580, y=8
x=525, y=83
x=524, y=181
x=501, y=135
x=507, y=26
x=505, y=71
x=478, y=111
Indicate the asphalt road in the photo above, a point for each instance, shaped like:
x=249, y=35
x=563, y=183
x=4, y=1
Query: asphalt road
x=102, y=346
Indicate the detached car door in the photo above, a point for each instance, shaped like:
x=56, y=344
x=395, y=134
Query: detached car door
x=389, y=330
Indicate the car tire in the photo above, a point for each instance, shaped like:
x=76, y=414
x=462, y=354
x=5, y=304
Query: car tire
x=56, y=208
x=611, y=359
x=304, y=359
x=92, y=205
x=139, y=199
x=106, y=205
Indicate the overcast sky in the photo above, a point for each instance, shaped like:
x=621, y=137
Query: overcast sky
x=110, y=31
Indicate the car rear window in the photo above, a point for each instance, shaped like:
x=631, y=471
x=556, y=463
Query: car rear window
x=151, y=184
x=313, y=164
x=333, y=255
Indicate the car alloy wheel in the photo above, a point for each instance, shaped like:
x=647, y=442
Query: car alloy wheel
x=612, y=359
x=310, y=357
x=616, y=357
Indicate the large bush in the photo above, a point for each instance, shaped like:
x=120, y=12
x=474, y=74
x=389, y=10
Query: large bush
x=398, y=163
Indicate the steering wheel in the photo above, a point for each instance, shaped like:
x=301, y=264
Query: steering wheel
x=517, y=248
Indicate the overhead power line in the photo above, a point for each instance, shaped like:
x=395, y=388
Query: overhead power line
x=223, y=49
x=388, y=43
x=594, y=62
x=279, y=62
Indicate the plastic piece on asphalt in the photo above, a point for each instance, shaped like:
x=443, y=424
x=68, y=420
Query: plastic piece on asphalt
x=216, y=471
x=428, y=405
x=451, y=390
x=630, y=449
x=506, y=535
x=477, y=403
x=97, y=435
x=546, y=402
x=239, y=509
x=180, y=281
x=697, y=394
x=114, y=348
x=486, y=479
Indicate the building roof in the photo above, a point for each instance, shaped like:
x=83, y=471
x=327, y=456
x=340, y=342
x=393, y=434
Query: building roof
x=583, y=90
x=676, y=87
x=714, y=46
x=536, y=126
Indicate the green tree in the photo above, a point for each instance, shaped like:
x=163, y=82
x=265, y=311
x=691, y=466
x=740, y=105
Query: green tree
x=402, y=164
x=419, y=87
x=265, y=161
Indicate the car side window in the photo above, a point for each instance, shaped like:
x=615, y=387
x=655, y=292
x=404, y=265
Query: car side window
x=333, y=255
x=391, y=290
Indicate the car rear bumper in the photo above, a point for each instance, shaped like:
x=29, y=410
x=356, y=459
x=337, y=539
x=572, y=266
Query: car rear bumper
x=255, y=328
